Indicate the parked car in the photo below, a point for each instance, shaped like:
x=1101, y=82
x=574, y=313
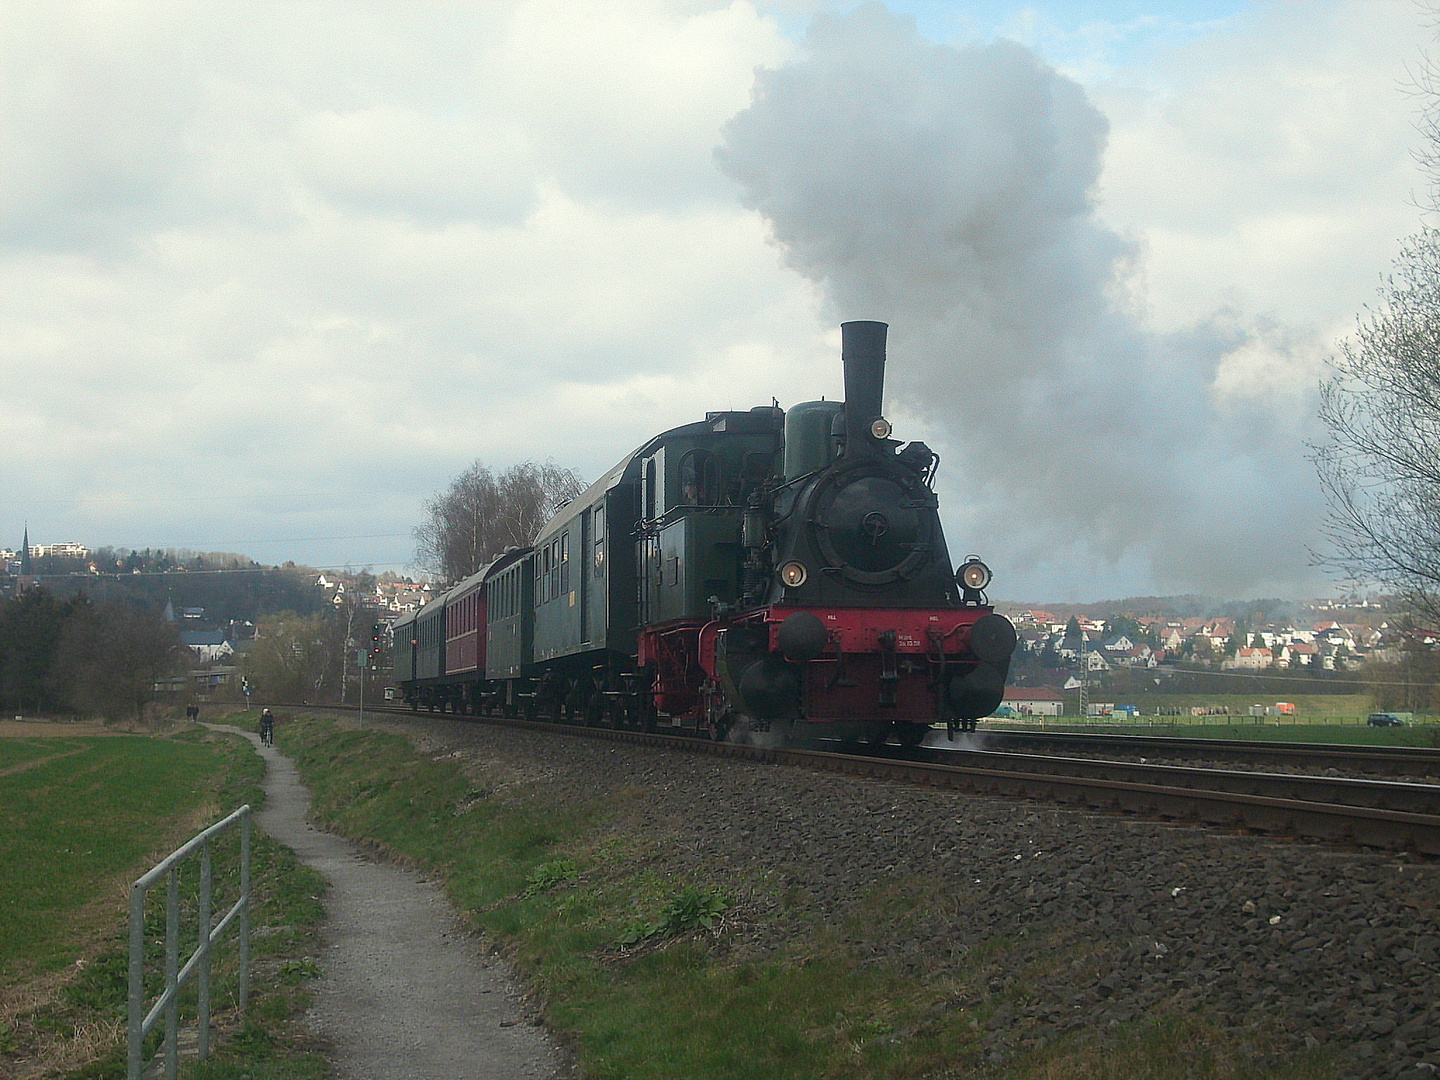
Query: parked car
x=1385, y=719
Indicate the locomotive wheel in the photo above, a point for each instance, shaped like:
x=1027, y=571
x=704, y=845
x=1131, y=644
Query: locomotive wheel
x=719, y=731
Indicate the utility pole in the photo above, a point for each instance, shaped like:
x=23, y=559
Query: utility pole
x=362, y=687
x=1084, y=673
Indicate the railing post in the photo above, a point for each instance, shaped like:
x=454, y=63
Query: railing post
x=244, y=911
x=203, y=976
x=136, y=1040
x=172, y=973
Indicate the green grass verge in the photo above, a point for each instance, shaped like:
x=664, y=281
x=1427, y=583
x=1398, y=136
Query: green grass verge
x=655, y=976
x=1349, y=708
x=83, y=817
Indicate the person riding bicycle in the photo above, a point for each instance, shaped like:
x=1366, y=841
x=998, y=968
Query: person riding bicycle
x=267, y=727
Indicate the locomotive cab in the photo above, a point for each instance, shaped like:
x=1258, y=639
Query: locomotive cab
x=850, y=619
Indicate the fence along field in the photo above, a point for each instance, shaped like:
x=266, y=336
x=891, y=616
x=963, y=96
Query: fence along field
x=82, y=816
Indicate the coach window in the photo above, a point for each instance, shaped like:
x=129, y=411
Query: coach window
x=565, y=562
x=699, y=479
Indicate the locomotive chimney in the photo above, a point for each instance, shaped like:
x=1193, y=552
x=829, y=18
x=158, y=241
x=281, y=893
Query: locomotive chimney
x=862, y=349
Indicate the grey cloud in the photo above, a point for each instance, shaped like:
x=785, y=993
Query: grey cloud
x=949, y=192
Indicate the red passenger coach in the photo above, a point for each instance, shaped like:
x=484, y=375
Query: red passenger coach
x=465, y=614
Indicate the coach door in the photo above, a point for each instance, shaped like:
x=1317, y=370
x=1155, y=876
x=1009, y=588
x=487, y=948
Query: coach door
x=585, y=575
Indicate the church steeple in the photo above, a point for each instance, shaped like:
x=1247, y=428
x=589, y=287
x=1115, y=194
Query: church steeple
x=25, y=553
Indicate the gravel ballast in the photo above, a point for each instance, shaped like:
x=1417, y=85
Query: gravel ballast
x=1112, y=918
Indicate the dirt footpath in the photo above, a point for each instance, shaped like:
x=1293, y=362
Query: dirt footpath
x=404, y=993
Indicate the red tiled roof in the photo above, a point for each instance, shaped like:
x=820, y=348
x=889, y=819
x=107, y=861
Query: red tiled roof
x=1032, y=693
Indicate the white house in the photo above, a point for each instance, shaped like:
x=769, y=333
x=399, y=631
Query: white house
x=1035, y=701
x=1250, y=660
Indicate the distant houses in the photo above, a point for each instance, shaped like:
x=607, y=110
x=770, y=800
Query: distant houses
x=1324, y=644
x=387, y=593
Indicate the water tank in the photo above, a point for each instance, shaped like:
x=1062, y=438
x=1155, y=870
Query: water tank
x=808, y=442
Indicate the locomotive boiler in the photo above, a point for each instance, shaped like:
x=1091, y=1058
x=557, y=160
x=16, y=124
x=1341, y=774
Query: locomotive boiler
x=761, y=569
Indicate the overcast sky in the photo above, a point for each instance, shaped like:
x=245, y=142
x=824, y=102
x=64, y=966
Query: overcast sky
x=272, y=273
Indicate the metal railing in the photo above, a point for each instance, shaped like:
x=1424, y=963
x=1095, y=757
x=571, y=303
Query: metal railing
x=198, y=963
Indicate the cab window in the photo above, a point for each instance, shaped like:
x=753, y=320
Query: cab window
x=699, y=479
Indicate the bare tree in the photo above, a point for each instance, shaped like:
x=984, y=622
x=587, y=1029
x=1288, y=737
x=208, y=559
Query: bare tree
x=297, y=658
x=482, y=514
x=111, y=656
x=1381, y=466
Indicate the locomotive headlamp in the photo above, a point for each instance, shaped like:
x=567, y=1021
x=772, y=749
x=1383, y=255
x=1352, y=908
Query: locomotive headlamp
x=793, y=574
x=974, y=574
x=880, y=428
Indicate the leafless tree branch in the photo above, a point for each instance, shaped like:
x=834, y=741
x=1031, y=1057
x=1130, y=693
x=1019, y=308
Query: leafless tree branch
x=483, y=513
x=1380, y=468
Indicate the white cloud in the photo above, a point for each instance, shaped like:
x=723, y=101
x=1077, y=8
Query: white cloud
x=342, y=246
x=1270, y=166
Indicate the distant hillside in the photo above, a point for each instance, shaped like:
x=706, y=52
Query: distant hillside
x=240, y=595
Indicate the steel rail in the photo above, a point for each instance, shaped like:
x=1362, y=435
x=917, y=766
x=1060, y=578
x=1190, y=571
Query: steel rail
x=1393, y=760
x=1350, y=791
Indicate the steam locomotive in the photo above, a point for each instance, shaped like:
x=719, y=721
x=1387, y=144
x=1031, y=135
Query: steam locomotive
x=765, y=569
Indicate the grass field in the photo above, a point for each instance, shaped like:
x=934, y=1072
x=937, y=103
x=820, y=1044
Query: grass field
x=80, y=818
x=637, y=968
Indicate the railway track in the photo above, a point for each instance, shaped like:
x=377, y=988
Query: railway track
x=1388, y=814
x=1391, y=760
